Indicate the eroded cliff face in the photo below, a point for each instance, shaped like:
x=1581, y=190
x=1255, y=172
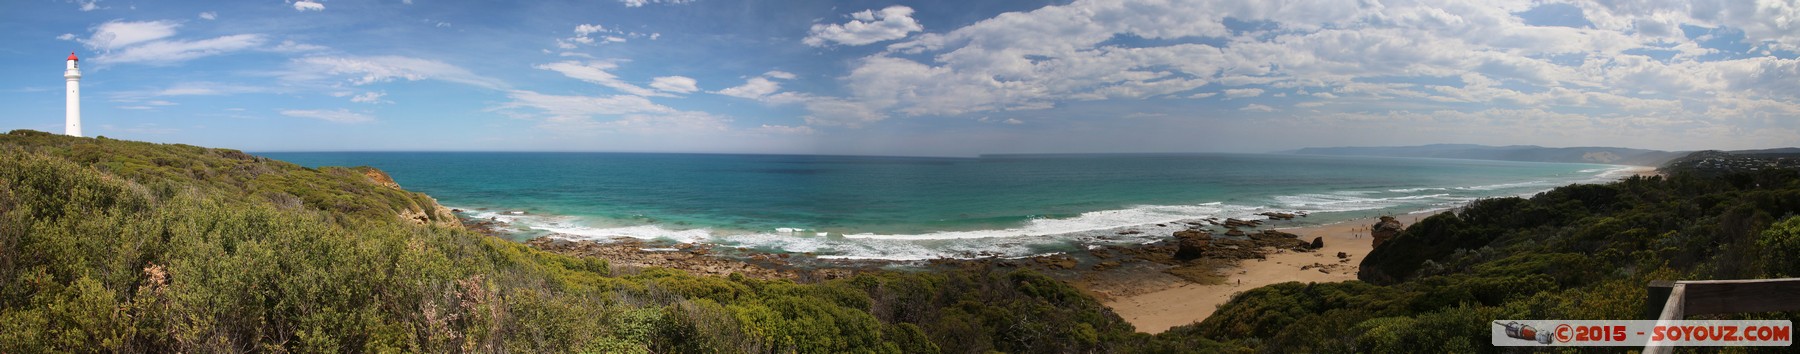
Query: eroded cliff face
x=1384, y=230
x=427, y=211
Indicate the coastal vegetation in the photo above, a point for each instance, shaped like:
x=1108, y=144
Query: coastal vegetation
x=1579, y=252
x=109, y=245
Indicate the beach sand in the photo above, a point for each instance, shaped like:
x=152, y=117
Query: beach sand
x=1184, y=303
x=1643, y=171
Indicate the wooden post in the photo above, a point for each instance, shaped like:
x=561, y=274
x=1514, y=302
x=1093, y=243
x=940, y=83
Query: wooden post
x=1657, y=297
x=1673, y=310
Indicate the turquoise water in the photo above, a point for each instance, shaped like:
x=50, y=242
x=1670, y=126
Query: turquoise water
x=914, y=208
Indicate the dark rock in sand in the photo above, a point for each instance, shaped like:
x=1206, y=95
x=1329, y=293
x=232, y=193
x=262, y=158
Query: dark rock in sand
x=1318, y=242
x=1191, y=244
x=1342, y=255
x=1242, y=223
x=1277, y=215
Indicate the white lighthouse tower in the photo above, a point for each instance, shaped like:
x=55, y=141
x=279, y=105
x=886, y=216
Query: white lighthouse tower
x=73, y=74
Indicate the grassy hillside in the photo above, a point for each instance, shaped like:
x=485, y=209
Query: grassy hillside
x=110, y=245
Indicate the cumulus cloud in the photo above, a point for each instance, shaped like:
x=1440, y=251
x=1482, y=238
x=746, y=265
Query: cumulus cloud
x=209, y=15
x=306, y=5
x=865, y=27
x=1634, y=60
x=675, y=84
x=335, y=116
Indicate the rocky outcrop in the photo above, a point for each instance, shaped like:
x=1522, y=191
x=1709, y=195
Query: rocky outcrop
x=1318, y=242
x=1059, y=261
x=429, y=212
x=626, y=254
x=1384, y=230
x=1191, y=244
x=1280, y=215
x=1235, y=223
x=380, y=178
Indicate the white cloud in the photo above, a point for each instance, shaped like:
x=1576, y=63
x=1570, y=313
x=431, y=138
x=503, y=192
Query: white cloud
x=87, y=5
x=1013, y=121
x=616, y=113
x=596, y=72
x=306, y=5
x=778, y=74
x=584, y=106
x=639, y=3
x=209, y=15
x=172, y=51
x=377, y=69
x=830, y=111
x=786, y=130
x=756, y=88
x=66, y=36
x=190, y=89
x=370, y=97
x=336, y=116
x=1257, y=108
x=289, y=46
x=117, y=34
x=1243, y=93
x=676, y=84
x=865, y=27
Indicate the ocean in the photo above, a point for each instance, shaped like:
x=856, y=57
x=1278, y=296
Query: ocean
x=910, y=208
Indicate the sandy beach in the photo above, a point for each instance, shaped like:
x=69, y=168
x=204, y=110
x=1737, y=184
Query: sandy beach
x=1157, y=311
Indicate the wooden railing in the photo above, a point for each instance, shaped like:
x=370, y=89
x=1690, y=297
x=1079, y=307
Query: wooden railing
x=1675, y=300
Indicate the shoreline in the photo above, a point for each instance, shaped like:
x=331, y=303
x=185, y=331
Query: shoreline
x=1163, y=306
x=1144, y=283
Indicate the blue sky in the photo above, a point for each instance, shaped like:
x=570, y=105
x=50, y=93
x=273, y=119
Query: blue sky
x=951, y=78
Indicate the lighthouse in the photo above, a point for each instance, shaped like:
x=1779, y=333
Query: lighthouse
x=73, y=74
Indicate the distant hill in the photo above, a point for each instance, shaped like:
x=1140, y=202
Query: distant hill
x=1531, y=153
x=1722, y=162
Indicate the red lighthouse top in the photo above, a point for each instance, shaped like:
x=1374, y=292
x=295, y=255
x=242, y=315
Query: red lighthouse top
x=72, y=57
